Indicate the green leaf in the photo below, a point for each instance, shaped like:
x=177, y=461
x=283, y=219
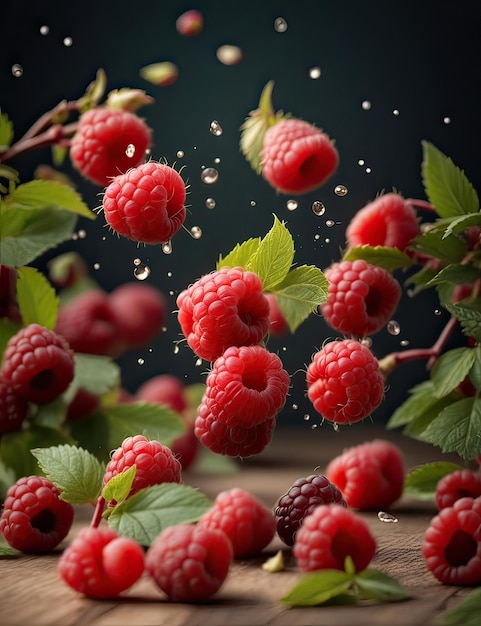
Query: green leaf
x=389, y=258
x=455, y=273
x=52, y=414
x=420, y=422
x=446, y=186
x=37, y=298
x=240, y=255
x=6, y=130
x=475, y=372
x=375, y=585
x=7, y=330
x=7, y=552
x=450, y=369
x=421, y=481
x=95, y=373
x=469, y=316
x=300, y=293
x=420, y=279
x=148, y=512
x=420, y=400
x=465, y=612
x=273, y=258
x=47, y=193
x=459, y=224
x=447, y=249
x=25, y=234
x=74, y=471
x=318, y=587
x=119, y=486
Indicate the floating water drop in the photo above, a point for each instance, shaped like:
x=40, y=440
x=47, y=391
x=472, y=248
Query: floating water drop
x=361, y=162
x=306, y=417
x=130, y=150
x=216, y=128
x=404, y=343
x=169, y=274
x=176, y=349
x=447, y=120
x=141, y=271
x=295, y=407
x=96, y=266
x=335, y=425
x=253, y=203
x=368, y=170
x=317, y=236
x=341, y=190
x=196, y=232
x=210, y=203
x=17, y=70
x=315, y=72
x=198, y=363
x=437, y=311
x=314, y=426
x=140, y=361
x=67, y=42
x=280, y=25
x=366, y=105
x=167, y=247
x=180, y=154
x=292, y=205
x=217, y=160
x=318, y=208
x=366, y=341
x=209, y=175
x=395, y=112
x=387, y=517
x=393, y=327
x=229, y=55
x=137, y=262
x=44, y=30
x=327, y=240
x=330, y=223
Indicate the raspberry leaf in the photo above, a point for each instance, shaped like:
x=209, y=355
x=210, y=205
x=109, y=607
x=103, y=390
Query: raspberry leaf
x=145, y=514
x=466, y=612
x=374, y=585
x=94, y=373
x=94, y=92
x=388, y=258
x=239, y=256
x=451, y=369
x=118, y=487
x=421, y=482
x=447, y=249
x=6, y=130
x=37, y=298
x=7, y=552
x=75, y=471
x=455, y=273
x=7, y=330
x=319, y=587
x=459, y=224
x=44, y=193
x=446, y=186
x=469, y=316
x=273, y=258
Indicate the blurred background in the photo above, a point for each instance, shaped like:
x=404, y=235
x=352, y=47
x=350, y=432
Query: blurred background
x=377, y=77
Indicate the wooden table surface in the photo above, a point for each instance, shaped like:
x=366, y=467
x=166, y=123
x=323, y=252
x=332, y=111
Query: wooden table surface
x=31, y=594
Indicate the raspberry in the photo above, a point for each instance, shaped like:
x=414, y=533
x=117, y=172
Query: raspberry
x=154, y=463
x=223, y=308
x=361, y=297
x=344, y=382
x=13, y=409
x=297, y=157
x=82, y=405
x=140, y=311
x=100, y=564
x=328, y=535
x=146, y=204
x=38, y=363
x=107, y=143
x=278, y=324
x=188, y=562
x=34, y=518
x=461, y=483
x=389, y=221
x=88, y=323
x=452, y=543
x=190, y=23
x=248, y=523
x=301, y=500
x=370, y=475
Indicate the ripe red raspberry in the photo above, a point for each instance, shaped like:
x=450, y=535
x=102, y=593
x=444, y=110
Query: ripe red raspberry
x=223, y=308
x=297, y=157
x=248, y=523
x=82, y=405
x=361, y=297
x=88, y=323
x=146, y=204
x=370, y=475
x=13, y=409
x=462, y=483
x=154, y=462
x=301, y=500
x=452, y=543
x=328, y=535
x=100, y=564
x=344, y=382
x=38, y=363
x=389, y=221
x=278, y=324
x=139, y=311
x=107, y=143
x=188, y=562
x=34, y=518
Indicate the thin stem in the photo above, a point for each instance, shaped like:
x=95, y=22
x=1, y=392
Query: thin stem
x=421, y=204
x=99, y=509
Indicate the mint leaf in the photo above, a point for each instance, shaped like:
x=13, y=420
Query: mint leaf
x=239, y=256
x=6, y=130
x=47, y=193
x=149, y=511
x=274, y=255
x=446, y=186
x=119, y=486
x=466, y=612
x=421, y=482
x=469, y=316
x=450, y=369
x=375, y=585
x=95, y=373
x=434, y=243
x=37, y=298
x=75, y=471
x=389, y=258
x=318, y=587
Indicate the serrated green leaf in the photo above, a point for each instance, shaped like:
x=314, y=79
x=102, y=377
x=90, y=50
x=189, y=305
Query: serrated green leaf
x=375, y=585
x=448, y=249
x=318, y=587
x=52, y=414
x=6, y=130
x=119, y=486
x=7, y=330
x=446, y=186
x=274, y=256
x=420, y=400
x=475, y=371
x=421, y=421
x=389, y=258
x=420, y=279
x=37, y=298
x=95, y=373
x=421, y=481
x=38, y=194
x=459, y=224
x=450, y=369
x=469, y=316
x=465, y=612
x=94, y=92
x=147, y=513
x=239, y=256
x=455, y=273
x=77, y=473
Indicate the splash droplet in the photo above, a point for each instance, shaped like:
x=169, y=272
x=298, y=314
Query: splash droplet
x=341, y=190
x=137, y=262
x=141, y=271
x=404, y=343
x=82, y=233
x=366, y=105
x=229, y=55
x=395, y=112
x=295, y=407
x=210, y=203
x=387, y=517
x=209, y=175
x=366, y=341
x=130, y=150
x=280, y=25
x=437, y=312
x=140, y=361
x=368, y=170
x=253, y=203
x=292, y=205
x=17, y=70
x=216, y=128
x=67, y=42
x=361, y=162
x=180, y=154
x=330, y=223
x=217, y=160
x=176, y=349
x=167, y=247
x=196, y=232
x=198, y=363
x=44, y=30
x=315, y=72
x=306, y=417
x=447, y=120
x=393, y=327
x=318, y=208
x=335, y=426
x=96, y=266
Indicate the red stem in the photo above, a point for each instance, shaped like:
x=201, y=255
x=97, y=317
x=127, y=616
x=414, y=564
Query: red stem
x=421, y=204
x=99, y=509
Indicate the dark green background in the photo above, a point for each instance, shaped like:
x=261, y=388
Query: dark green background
x=421, y=58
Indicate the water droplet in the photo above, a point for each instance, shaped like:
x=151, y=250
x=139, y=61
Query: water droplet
x=253, y=203
x=217, y=160
x=215, y=128
x=167, y=247
x=82, y=233
x=306, y=417
x=44, y=30
x=67, y=42
x=315, y=72
x=387, y=517
x=140, y=361
x=361, y=162
x=196, y=232
x=395, y=112
x=96, y=266
x=176, y=349
x=198, y=363
x=393, y=327
x=327, y=240
x=318, y=208
x=341, y=190
x=366, y=105
x=295, y=407
x=17, y=70
x=229, y=55
x=141, y=271
x=180, y=154
x=335, y=425
x=368, y=170
x=366, y=341
x=137, y=262
x=404, y=342
x=437, y=311
x=209, y=175
x=292, y=205
x=130, y=150
x=330, y=223
x=169, y=274
x=447, y=120
x=280, y=25
x=314, y=426
x=317, y=236
x=210, y=203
